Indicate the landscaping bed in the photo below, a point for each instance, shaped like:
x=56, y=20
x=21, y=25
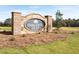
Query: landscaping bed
x=24, y=40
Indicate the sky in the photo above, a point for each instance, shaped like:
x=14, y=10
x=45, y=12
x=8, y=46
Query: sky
x=68, y=11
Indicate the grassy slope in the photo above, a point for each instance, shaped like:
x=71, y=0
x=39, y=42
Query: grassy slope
x=70, y=45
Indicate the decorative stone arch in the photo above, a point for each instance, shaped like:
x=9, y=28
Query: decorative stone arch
x=18, y=22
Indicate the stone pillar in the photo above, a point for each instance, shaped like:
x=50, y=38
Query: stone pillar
x=16, y=23
x=49, y=23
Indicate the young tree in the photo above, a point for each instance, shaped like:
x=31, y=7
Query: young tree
x=58, y=19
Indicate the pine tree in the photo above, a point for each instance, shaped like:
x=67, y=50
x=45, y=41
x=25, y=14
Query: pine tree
x=58, y=19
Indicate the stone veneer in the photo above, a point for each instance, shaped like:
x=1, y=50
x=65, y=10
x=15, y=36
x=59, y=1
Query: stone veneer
x=18, y=23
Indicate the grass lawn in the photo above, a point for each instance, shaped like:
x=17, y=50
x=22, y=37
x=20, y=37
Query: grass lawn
x=5, y=28
x=68, y=46
x=70, y=28
x=65, y=28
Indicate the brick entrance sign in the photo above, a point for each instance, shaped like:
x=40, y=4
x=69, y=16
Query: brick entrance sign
x=31, y=23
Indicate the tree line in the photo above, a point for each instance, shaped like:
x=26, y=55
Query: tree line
x=60, y=22
x=67, y=23
x=63, y=23
x=7, y=22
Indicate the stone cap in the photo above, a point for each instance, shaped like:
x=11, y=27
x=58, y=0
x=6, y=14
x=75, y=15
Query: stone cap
x=17, y=12
x=48, y=16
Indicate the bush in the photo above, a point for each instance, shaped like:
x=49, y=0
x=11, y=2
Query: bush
x=23, y=35
x=12, y=39
x=4, y=31
x=56, y=32
x=72, y=33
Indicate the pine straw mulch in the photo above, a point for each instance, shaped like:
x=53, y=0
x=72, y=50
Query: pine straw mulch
x=24, y=40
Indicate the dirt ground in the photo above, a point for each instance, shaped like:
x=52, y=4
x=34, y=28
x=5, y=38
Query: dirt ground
x=7, y=40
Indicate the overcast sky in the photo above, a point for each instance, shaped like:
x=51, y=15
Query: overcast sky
x=69, y=11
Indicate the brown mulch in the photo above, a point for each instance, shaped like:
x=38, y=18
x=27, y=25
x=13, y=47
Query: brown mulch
x=24, y=40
